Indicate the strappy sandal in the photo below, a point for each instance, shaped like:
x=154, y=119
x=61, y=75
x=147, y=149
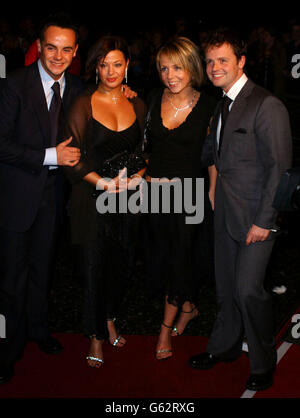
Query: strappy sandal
x=99, y=360
x=164, y=350
x=93, y=358
x=115, y=343
x=175, y=330
x=117, y=340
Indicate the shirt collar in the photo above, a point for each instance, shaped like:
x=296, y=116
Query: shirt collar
x=47, y=80
x=237, y=87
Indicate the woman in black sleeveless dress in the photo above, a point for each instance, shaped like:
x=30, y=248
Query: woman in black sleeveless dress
x=103, y=123
x=177, y=127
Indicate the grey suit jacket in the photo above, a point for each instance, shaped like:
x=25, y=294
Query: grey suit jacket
x=256, y=150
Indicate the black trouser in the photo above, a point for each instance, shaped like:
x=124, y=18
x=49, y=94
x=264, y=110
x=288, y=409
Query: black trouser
x=25, y=270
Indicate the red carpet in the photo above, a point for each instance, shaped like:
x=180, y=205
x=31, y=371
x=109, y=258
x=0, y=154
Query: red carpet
x=287, y=377
x=133, y=372
x=130, y=372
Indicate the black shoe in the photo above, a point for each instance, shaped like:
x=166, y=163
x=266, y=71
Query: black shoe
x=260, y=381
x=6, y=374
x=206, y=361
x=50, y=346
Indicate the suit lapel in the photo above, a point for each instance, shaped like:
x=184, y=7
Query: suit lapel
x=236, y=111
x=39, y=103
x=68, y=92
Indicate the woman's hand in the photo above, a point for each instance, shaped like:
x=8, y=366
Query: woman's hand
x=213, y=174
x=128, y=93
x=115, y=185
x=211, y=196
x=134, y=181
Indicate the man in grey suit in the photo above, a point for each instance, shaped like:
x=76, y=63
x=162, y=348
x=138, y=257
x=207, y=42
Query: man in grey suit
x=249, y=150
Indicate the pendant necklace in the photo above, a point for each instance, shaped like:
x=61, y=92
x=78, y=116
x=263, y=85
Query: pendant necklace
x=114, y=98
x=179, y=109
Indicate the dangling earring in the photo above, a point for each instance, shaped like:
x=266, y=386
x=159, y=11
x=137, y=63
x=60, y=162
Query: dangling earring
x=96, y=76
x=126, y=76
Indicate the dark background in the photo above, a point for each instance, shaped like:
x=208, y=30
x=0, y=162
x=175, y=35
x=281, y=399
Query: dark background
x=135, y=21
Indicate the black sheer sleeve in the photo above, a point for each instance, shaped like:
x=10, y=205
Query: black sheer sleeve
x=140, y=111
x=77, y=126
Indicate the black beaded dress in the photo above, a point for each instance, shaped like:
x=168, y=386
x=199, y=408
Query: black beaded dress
x=105, y=240
x=178, y=255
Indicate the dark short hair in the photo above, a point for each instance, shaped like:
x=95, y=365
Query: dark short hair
x=229, y=36
x=60, y=19
x=101, y=48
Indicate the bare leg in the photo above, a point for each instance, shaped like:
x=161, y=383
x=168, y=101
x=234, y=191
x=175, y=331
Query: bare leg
x=164, y=345
x=95, y=353
x=188, y=312
x=114, y=338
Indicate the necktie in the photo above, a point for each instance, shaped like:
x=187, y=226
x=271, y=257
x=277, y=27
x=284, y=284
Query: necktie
x=54, y=112
x=226, y=101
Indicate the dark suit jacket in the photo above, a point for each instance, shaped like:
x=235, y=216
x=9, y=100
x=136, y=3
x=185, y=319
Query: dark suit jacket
x=24, y=136
x=256, y=150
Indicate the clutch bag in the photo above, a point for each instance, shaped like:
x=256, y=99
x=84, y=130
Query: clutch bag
x=112, y=166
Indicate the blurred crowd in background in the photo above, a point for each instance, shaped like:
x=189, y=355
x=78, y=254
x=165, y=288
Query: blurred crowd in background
x=269, y=60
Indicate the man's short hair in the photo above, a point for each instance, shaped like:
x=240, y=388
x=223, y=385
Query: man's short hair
x=62, y=20
x=229, y=36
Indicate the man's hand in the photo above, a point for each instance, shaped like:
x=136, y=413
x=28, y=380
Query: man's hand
x=128, y=93
x=68, y=156
x=257, y=234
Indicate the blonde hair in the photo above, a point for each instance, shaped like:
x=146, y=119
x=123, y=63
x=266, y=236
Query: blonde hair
x=183, y=51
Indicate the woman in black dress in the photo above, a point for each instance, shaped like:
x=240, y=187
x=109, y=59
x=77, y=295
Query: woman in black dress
x=178, y=124
x=103, y=123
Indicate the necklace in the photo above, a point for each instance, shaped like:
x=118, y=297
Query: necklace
x=113, y=96
x=179, y=109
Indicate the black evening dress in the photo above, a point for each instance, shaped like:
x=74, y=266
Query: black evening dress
x=105, y=240
x=178, y=255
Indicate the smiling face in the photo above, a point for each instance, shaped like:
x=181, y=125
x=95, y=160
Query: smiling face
x=223, y=67
x=173, y=75
x=111, y=69
x=57, y=48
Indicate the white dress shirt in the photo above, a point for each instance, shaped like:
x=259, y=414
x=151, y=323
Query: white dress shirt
x=47, y=82
x=232, y=94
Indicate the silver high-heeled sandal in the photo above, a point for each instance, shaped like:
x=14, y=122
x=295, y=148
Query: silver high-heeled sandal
x=174, y=329
x=117, y=340
x=95, y=359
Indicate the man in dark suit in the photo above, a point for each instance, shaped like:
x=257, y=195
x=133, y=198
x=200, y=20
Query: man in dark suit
x=251, y=148
x=31, y=188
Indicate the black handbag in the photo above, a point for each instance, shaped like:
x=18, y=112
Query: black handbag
x=133, y=163
x=287, y=197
